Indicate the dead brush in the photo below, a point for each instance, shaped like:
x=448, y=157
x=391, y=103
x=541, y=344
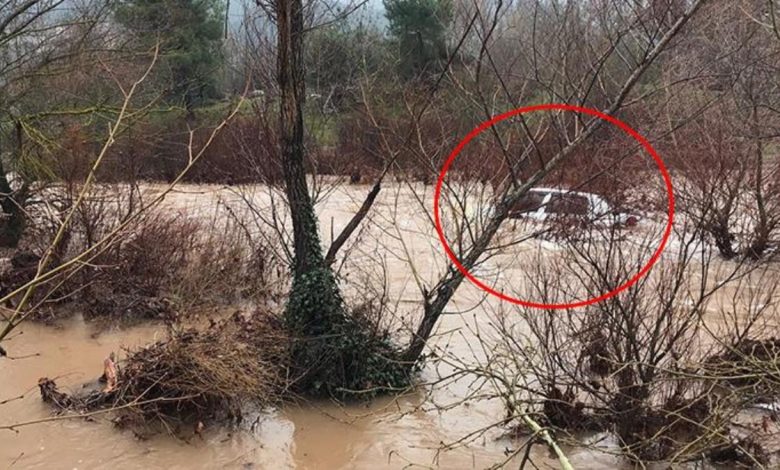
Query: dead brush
x=648, y=365
x=195, y=375
x=169, y=262
x=224, y=266
x=131, y=277
x=164, y=264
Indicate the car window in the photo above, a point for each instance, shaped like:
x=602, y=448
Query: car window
x=571, y=204
x=530, y=202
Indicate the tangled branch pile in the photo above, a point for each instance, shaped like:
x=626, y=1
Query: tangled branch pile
x=195, y=375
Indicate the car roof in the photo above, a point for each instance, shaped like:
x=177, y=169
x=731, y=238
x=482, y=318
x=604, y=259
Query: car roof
x=595, y=199
x=562, y=191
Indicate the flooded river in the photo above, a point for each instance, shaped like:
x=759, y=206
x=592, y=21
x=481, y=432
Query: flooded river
x=422, y=429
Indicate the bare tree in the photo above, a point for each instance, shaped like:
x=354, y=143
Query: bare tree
x=728, y=173
x=659, y=36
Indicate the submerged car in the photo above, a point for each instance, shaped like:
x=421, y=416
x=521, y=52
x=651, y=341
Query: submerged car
x=547, y=204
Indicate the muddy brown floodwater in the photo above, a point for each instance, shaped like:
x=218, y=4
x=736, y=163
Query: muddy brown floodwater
x=389, y=433
x=310, y=436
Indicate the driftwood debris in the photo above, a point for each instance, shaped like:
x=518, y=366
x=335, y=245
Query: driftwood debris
x=193, y=376
x=50, y=394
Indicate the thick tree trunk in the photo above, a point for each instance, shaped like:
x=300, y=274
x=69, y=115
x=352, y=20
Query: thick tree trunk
x=332, y=353
x=314, y=309
x=308, y=253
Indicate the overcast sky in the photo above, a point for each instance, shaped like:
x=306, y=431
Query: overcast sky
x=373, y=9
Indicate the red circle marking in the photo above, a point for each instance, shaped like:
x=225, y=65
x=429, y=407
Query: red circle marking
x=565, y=107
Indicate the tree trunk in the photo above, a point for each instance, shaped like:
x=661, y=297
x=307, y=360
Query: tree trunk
x=760, y=241
x=308, y=253
x=314, y=309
